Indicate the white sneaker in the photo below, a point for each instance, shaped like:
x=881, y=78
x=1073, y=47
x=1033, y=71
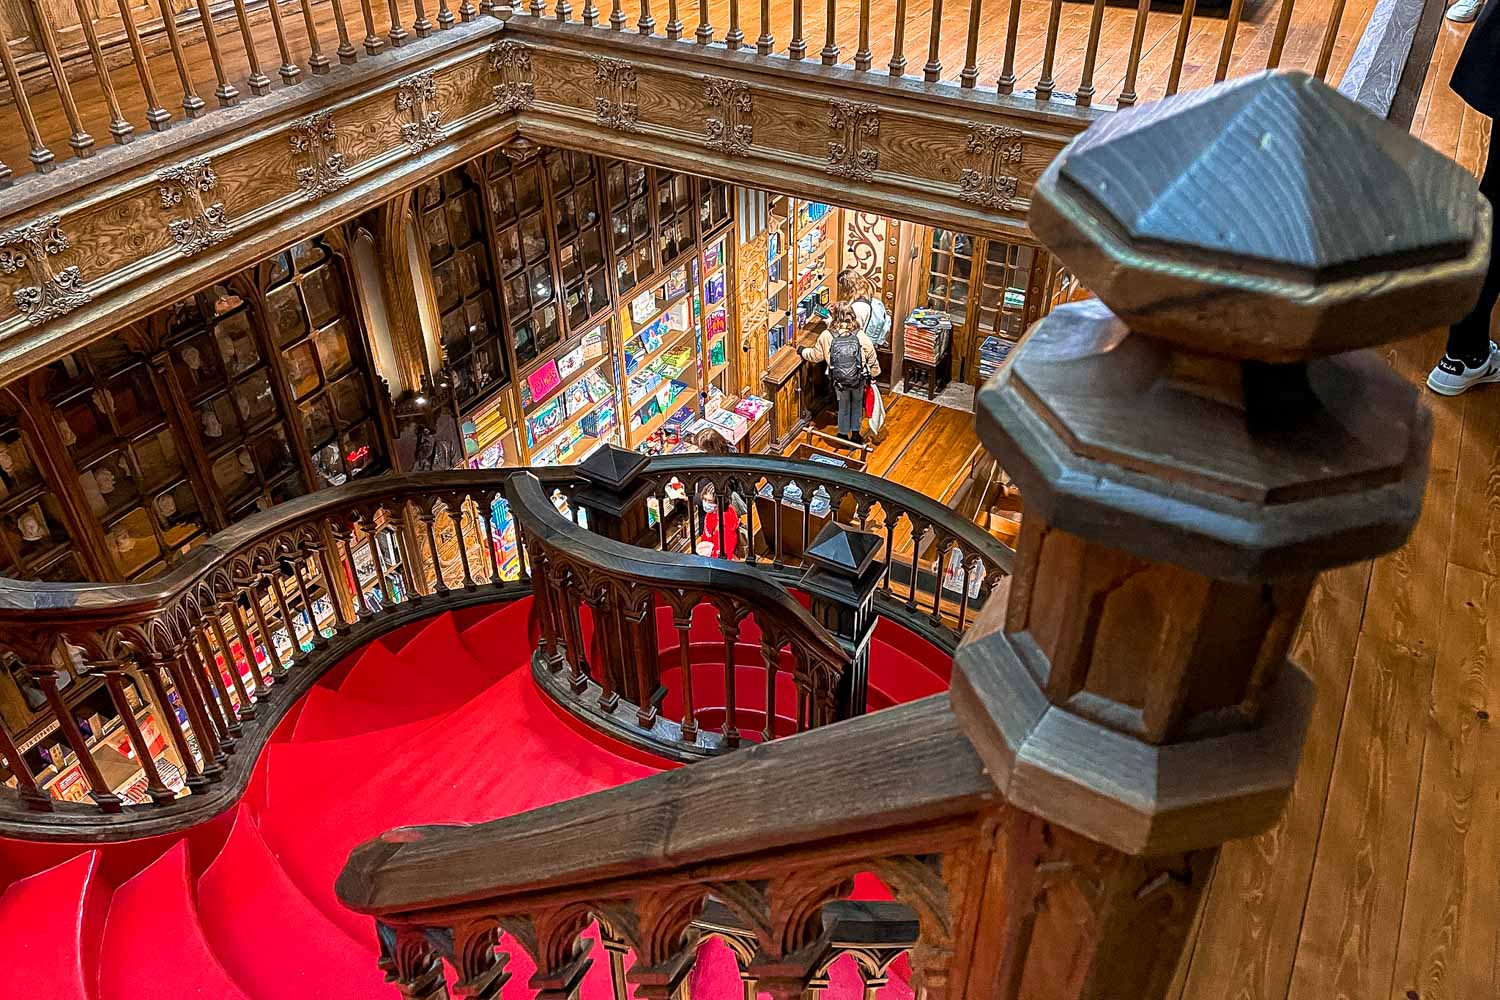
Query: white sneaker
x=1464, y=11
x=1452, y=376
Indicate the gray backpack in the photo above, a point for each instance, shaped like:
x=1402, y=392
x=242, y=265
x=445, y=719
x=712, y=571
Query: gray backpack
x=846, y=362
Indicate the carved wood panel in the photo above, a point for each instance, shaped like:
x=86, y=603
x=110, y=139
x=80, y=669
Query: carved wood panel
x=753, y=306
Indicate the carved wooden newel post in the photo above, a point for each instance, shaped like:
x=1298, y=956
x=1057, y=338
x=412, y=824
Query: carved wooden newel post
x=1193, y=450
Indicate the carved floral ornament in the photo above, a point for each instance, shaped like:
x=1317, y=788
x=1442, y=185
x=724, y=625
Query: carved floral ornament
x=55, y=291
x=515, y=87
x=316, y=137
x=853, y=122
x=417, y=96
x=616, y=102
x=730, y=130
x=191, y=184
x=990, y=179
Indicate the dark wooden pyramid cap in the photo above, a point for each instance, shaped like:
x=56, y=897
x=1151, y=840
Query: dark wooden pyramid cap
x=1270, y=218
x=612, y=466
x=843, y=550
x=1276, y=170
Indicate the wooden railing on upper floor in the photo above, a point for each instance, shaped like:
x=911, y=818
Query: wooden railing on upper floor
x=240, y=629
x=186, y=61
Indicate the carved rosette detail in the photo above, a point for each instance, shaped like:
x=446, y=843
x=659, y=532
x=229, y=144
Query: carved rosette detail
x=615, y=94
x=989, y=179
x=316, y=137
x=510, y=61
x=416, y=96
x=854, y=122
x=730, y=131
x=31, y=248
x=191, y=184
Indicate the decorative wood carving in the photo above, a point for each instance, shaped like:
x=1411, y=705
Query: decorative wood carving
x=615, y=98
x=731, y=132
x=416, y=96
x=848, y=156
x=755, y=311
x=192, y=183
x=989, y=180
x=55, y=291
x=511, y=62
x=316, y=136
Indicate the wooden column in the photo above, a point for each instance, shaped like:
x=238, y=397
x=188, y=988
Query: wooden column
x=1193, y=450
x=399, y=291
x=843, y=575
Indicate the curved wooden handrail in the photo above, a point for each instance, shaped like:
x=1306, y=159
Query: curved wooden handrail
x=224, y=634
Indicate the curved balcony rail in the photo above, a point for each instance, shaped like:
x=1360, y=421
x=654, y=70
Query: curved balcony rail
x=218, y=649
x=123, y=67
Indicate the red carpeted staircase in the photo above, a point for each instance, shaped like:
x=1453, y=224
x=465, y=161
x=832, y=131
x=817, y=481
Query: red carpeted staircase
x=439, y=724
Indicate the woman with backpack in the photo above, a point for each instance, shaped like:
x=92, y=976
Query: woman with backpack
x=852, y=364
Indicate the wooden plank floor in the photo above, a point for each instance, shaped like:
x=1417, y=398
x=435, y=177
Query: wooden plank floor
x=1383, y=878
x=1307, y=27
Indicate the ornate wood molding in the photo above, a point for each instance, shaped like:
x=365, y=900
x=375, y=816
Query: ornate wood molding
x=316, y=138
x=616, y=100
x=193, y=183
x=994, y=152
x=731, y=131
x=415, y=97
x=54, y=291
x=849, y=155
x=511, y=62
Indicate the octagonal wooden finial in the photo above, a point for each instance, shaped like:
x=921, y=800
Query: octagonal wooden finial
x=1268, y=219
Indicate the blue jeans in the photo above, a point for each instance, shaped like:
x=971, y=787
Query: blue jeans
x=851, y=410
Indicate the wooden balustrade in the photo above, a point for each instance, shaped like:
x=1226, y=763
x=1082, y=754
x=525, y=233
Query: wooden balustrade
x=239, y=630
x=1194, y=449
x=1074, y=52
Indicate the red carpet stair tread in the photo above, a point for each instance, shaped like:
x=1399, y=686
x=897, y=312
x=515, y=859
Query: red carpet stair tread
x=448, y=727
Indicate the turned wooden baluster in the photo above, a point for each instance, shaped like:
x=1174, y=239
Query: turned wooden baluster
x=318, y=62
x=346, y=539
x=99, y=790
x=933, y=69
x=1278, y=39
x=898, y=41
x=247, y=708
x=288, y=70
x=121, y=129
x=674, y=22
x=969, y=77
x=258, y=82
x=226, y=92
x=1184, y=27
x=346, y=52
x=1045, y=83
x=219, y=703
x=734, y=38
x=729, y=625
x=445, y=17
x=467, y=11
x=205, y=728
x=373, y=43
x=1085, y=95
x=863, y=57
x=682, y=621
x=1236, y=8
x=617, y=15
x=309, y=613
x=1007, y=82
x=114, y=683
x=797, y=48
x=1128, y=95
x=247, y=643
x=1187, y=445
x=79, y=139
x=30, y=793
x=252, y=597
x=830, y=53
x=192, y=104
x=41, y=157
x=564, y=11
x=767, y=41
x=646, y=24
x=1330, y=36
x=705, y=32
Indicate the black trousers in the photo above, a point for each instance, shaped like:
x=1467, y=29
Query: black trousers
x=1469, y=338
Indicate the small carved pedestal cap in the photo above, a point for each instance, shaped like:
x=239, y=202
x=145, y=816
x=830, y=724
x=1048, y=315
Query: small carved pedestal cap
x=1197, y=446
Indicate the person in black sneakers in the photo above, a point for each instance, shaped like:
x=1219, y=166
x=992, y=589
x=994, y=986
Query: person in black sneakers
x=1471, y=357
x=852, y=364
